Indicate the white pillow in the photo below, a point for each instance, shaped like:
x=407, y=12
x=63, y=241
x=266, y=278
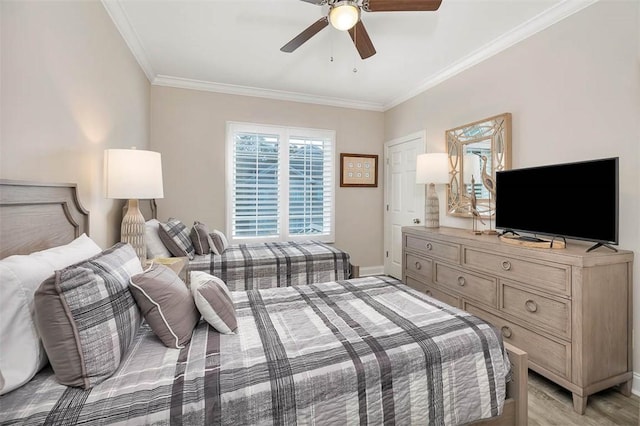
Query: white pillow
x=213, y=300
x=155, y=246
x=22, y=354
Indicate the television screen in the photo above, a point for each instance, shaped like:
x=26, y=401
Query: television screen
x=574, y=200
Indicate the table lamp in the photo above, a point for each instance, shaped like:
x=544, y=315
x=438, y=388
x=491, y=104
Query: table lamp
x=133, y=174
x=432, y=169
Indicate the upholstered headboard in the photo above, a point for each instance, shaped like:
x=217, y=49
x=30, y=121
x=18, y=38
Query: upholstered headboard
x=36, y=216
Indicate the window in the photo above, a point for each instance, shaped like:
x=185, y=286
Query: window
x=280, y=183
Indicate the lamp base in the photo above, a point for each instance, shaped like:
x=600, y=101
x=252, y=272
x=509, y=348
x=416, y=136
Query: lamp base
x=431, y=207
x=132, y=230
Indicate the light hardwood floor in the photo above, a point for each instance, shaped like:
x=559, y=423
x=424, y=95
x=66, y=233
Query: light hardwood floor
x=549, y=404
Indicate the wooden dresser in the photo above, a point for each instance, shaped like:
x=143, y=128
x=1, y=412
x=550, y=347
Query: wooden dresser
x=570, y=310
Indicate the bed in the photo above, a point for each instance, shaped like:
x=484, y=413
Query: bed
x=276, y=264
x=271, y=264
x=368, y=350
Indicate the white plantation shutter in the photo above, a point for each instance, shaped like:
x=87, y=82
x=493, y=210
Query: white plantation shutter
x=280, y=183
x=256, y=185
x=310, y=186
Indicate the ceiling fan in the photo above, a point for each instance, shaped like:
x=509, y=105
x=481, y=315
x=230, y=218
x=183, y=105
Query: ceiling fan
x=344, y=15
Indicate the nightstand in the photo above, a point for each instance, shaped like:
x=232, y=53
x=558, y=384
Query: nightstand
x=179, y=265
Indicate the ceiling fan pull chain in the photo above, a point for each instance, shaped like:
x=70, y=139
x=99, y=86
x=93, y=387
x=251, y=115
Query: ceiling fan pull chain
x=331, y=37
x=355, y=34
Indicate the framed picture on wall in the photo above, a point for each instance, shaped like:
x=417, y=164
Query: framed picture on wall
x=358, y=170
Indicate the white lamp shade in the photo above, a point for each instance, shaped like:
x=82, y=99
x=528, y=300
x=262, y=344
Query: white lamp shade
x=432, y=168
x=133, y=174
x=344, y=15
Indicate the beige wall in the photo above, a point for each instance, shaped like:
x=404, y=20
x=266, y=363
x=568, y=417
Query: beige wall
x=574, y=92
x=188, y=128
x=70, y=88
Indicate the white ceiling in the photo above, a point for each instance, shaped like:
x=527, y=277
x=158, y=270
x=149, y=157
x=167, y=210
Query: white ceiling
x=233, y=46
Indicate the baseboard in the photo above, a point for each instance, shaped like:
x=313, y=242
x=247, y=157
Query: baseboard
x=635, y=388
x=371, y=270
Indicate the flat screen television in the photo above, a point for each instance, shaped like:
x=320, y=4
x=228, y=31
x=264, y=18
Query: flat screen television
x=572, y=200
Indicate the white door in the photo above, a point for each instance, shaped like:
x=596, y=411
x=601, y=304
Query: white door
x=404, y=199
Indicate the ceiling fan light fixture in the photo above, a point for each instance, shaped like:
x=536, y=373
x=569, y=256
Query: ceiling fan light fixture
x=344, y=15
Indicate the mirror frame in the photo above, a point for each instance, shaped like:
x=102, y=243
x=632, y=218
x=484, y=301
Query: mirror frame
x=495, y=130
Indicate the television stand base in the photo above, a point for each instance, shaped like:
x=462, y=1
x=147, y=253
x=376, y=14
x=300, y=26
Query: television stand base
x=527, y=242
x=595, y=246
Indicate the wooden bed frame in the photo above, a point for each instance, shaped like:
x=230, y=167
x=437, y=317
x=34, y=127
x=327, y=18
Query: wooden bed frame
x=36, y=216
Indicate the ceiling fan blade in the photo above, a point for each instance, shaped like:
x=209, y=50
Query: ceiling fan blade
x=401, y=5
x=301, y=38
x=362, y=41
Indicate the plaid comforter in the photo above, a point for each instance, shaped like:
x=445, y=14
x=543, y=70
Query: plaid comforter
x=367, y=351
x=267, y=265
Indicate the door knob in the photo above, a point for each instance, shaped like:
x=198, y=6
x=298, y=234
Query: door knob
x=416, y=221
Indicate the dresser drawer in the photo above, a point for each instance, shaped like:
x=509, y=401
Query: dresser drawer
x=418, y=266
x=482, y=289
x=552, y=355
x=553, y=277
x=447, y=298
x=551, y=314
x=437, y=249
x=433, y=292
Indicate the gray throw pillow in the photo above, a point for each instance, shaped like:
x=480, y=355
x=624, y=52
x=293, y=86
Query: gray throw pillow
x=87, y=317
x=175, y=236
x=214, y=301
x=201, y=239
x=166, y=304
x=219, y=240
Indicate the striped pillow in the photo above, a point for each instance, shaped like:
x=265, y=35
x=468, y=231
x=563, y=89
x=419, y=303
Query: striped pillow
x=219, y=241
x=175, y=236
x=87, y=317
x=166, y=304
x=214, y=302
x=202, y=242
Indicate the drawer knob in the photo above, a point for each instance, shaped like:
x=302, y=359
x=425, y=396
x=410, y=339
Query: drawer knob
x=418, y=265
x=506, y=265
x=428, y=293
x=506, y=332
x=461, y=281
x=429, y=246
x=531, y=305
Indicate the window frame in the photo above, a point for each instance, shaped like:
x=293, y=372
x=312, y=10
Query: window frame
x=284, y=134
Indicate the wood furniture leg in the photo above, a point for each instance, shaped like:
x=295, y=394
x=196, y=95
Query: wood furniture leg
x=579, y=403
x=355, y=271
x=625, y=387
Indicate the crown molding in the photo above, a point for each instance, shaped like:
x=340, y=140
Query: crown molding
x=534, y=25
x=121, y=20
x=186, y=83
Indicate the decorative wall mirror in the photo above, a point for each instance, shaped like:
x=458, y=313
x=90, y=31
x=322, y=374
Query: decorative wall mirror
x=476, y=151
